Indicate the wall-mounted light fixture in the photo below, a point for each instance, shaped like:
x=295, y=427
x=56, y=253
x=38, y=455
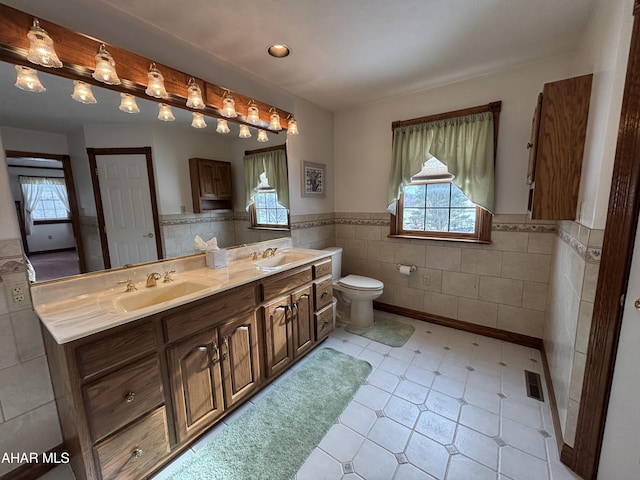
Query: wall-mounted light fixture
x=198, y=120
x=82, y=93
x=262, y=136
x=164, y=113
x=228, y=106
x=222, y=127
x=194, y=95
x=253, y=113
x=105, y=71
x=27, y=80
x=128, y=103
x=292, y=128
x=155, y=87
x=244, y=132
x=274, y=120
x=41, y=51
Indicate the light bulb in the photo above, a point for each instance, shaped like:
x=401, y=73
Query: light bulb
x=105, y=71
x=194, y=98
x=155, y=86
x=292, y=128
x=253, y=114
x=82, y=93
x=27, y=80
x=41, y=51
x=222, y=127
x=274, y=122
x=164, y=113
x=128, y=103
x=262, y=136
x=228, y=107
x=244, y=132
x=198, y=120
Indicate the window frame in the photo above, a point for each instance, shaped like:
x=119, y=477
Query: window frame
x=253, y=218
x=482, y=233
x=53, y=220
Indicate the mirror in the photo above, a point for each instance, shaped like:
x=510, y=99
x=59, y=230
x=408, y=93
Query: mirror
x=42, y=132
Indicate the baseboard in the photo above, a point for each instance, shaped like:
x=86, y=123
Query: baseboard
x=512, y=337
x=29, y=471
x=55, y=250
x=555, y=416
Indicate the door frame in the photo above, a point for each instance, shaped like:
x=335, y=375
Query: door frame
x=71, y=191
x=613, y=278
x=146, y=151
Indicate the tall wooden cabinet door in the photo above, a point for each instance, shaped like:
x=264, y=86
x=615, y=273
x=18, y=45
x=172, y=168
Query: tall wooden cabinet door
x=240, y=358
x=196, y=382
x=278, y=335
x=222, y=180
x=302, y=319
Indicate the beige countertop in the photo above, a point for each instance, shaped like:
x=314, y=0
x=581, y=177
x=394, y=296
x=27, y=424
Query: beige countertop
x=77, y=307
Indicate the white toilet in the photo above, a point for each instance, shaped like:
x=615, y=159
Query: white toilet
x=355, y=293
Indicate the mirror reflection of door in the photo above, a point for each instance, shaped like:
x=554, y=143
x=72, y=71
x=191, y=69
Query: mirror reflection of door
x=47, y=211
x=126, y=205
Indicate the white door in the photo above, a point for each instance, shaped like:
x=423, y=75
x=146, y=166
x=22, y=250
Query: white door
x=620, y=456
x=126, y=201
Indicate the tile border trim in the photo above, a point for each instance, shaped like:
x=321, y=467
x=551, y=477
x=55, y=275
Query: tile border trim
x=588, y=254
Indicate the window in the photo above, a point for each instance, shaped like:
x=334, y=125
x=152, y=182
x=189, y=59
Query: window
x=49, y=206
x=429, y=153
x=267, y=188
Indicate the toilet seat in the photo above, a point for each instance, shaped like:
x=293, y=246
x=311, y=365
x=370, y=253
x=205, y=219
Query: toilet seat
x=358, y=282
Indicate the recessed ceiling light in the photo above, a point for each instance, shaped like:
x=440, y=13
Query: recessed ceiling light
x=278, y=50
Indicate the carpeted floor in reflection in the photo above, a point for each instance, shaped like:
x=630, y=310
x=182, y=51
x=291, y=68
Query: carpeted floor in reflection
x=55, y=264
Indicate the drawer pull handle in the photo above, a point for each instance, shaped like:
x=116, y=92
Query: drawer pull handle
x=225, y=342
x=129, y=397
x=324, y=294
x=137, y=453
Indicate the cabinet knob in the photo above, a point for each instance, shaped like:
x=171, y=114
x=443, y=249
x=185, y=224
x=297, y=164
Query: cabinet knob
x=129, y=397
x=137, y=453
x=529, y=145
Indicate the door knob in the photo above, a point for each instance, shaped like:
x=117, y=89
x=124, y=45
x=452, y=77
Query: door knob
x=148, y=235
x=637, y=304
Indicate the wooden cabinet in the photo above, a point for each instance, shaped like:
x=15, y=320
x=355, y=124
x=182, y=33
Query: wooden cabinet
x=557, y=148
x=211, y=185
x=212, y=371
x=133, y=397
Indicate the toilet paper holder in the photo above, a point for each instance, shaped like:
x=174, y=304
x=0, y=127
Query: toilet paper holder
x=412, y=268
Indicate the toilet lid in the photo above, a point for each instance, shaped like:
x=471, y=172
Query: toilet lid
x=358, y=282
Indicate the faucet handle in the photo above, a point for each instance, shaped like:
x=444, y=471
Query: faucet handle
x=130, y=285
x=168, y=277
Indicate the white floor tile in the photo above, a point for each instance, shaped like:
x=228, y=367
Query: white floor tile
x=477, y=446
x=443, y=405
x=341, y=443
x=358, y=418
x=524, y=438
x=427, y=455
x=522, y=466
x=402, y=411
x=372, y=397
x=407, y=471
x=390, y=435
x=413, y=392
x=373, y=462
x=480, y=420
x=462, y=468
x=438, y=428
x=319, y=466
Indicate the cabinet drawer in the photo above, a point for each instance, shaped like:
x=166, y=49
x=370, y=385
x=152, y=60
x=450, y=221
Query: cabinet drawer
x=284, y=284
x=135, y=451
x=324, y=322
x=322, y=269
x=115, y=349
x=123, y=396
x=323, y=293
x=208, y=312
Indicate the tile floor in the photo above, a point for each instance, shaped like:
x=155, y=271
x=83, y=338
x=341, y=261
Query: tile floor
x=447, y=405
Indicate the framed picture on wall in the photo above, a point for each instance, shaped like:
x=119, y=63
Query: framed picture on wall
x=314, y=181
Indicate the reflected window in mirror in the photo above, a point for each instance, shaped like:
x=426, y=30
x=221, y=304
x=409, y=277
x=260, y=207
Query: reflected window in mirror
x=267, y=188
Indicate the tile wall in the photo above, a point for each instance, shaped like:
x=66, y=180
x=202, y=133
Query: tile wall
x=575, y=268
x=28, y=416
x=503, y=285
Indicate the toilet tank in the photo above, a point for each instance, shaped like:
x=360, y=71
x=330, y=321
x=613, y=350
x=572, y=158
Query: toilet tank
x=336, y=261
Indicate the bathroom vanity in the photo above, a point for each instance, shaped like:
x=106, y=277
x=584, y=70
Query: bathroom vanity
x=138, y=375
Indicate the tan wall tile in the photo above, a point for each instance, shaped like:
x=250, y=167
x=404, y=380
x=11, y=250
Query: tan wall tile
x=26, y=327
x=410, y=254
x=381, y=251
x=478, y=312
x=368, y=232
x=508, y=241
x=460, y=284
x=8, y=349
x=590, y=282
x=521, y=320
x=24, y=387
x=585, y=316
x=409, y=298
x=541, y=243
x=489, y=263
x=571, y=423
x=441, y=304
x=501, y=290
x=444, y=258
x=534, y=296
x=345, y=231
x=526, y=266
x=428, y=279
x=577, y=376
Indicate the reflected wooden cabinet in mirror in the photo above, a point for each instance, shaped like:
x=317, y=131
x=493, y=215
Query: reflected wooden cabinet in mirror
x=211, y=185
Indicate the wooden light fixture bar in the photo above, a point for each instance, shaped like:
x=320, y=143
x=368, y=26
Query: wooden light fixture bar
x=77, y=53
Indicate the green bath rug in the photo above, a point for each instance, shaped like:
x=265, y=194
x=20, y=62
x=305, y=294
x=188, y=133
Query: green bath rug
x=272, y=439
x=385, y=330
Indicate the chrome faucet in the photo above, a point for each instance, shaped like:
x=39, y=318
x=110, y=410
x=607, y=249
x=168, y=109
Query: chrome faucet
x=269, y=252
x=152, y=278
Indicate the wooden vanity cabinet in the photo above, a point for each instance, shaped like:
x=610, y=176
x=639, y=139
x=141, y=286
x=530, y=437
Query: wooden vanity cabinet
x=557, y=147
x=212, y=371
x=211, y=184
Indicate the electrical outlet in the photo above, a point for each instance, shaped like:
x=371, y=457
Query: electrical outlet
x=426, y=280
x=18, y=299
x=17, y=290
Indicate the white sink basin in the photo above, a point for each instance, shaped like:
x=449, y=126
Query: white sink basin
x=130, y=301
x=280, y=260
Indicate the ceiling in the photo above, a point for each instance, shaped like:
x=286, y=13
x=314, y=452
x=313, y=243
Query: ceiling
x=344, y=52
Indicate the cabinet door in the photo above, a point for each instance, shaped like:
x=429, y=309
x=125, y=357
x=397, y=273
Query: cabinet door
x=240, y=358
x=196, y=382
x=302, y=319
x=222, y=180
x=215, y=179
x=278, y=335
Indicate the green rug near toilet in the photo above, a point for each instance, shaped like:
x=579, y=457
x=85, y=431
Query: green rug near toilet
x=385, y=330
x=272, y=439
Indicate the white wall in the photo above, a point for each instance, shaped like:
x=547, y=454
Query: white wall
x=8, y=220
x=33, y=141
x=605, y=51
x=363, y=135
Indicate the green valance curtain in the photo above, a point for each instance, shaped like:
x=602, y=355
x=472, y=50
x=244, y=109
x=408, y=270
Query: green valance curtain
x=274, y=165
x=464, y=144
